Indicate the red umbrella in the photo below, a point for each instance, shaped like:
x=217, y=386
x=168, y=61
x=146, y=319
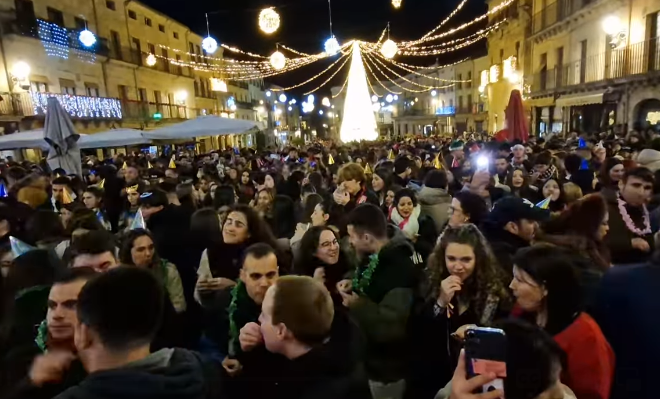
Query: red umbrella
x=516, y=122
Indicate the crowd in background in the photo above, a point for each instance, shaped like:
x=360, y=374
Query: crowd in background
x=334, y=271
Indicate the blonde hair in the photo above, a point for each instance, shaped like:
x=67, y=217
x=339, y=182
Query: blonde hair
x=32, y=196
x=572, y=193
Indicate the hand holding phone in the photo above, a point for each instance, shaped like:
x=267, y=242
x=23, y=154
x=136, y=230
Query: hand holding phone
x=485, y=354
x=463, y=388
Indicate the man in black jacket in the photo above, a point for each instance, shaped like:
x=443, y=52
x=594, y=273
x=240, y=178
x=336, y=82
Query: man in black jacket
x=511, y=225
x=119, y=313
x=298, y=322
x=47, y=366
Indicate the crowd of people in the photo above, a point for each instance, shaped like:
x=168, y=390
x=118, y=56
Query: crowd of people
x=334, y=271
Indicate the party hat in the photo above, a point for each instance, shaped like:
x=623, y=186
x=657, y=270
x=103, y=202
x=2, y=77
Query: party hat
x=149, y=165
x=66, y=196
x=19, y=247
x=390, y=155
x=331, y=160
x=545, y=204
x=133, y=188
x=125, y=165
x=367, y=169
x=249, y=165
x=584, y=165
x=437, y=163
x=582, y=143
x=138, y=221
x=101, y=184
x=3, y=190
x=172, y=164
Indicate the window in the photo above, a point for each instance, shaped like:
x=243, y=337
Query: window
x=469, y=102
x=40, y=87
x=175, y=34
x=460, y=104
x=199, y=53
x=152, y=48
x=142, y=95
x=147, y=21
x=110, y=5
x=132, y=14
x=161, y=28
x=460, y=84
x=67, y=86
x=122, y=91
x=158, y=97
x=469, y=77
x=116, y=44
x=501, y=54
x=517, y=50
x=179, y=70
x=191, y=49
x=55, y=16
x=91, y=89
x=80, y=23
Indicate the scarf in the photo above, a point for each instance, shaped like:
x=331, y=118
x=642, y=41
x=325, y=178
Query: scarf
x=410, y=225
x=551, y=171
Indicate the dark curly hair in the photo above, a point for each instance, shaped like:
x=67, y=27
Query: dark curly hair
x=488, y=279
x=126, y=245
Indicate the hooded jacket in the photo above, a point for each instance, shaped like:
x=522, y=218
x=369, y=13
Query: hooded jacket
x=382, y=310
x=168, y=373
x=435, y=203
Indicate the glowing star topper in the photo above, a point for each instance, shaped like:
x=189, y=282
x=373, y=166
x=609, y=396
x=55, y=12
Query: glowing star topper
x=269, y=20
x=359, y=122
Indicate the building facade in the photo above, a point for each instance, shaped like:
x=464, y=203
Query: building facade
x=595, y=64
x=144, y=70
x=471, y=105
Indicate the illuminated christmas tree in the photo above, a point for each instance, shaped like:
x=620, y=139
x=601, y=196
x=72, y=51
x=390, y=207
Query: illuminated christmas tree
x=359, y=122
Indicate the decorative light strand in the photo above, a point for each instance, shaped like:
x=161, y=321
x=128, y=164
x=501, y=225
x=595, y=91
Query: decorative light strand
x=457, y=41
x=371, y=86
x=443, y=51
x=394, y=82
x=296, y=52
x=456, y=10
x=387, y=89
x=426, y=76
x=402, y=77
x=313, y=77
x=342, y=88
x=331, y=76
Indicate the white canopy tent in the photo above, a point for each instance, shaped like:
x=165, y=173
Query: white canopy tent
x=201, y=127
x=113, y=138
x=26, y=139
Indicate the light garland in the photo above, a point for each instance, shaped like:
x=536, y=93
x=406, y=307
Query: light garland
x=450, y=16
x=269, y=20
x=313, y=77
x=444, y=51
x=330, y=78
x=394, y=82
x=402, y=77
x=296, y=52
x=79, y=106
x=342, y=88
x=371, y=87
x=485, y=31
x=368, y=64
x=402, y=66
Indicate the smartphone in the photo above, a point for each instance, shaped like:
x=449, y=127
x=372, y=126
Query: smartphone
x=485, y=352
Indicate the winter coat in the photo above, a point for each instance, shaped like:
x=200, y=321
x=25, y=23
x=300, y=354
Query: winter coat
x=384, y=306
x=435, y=203
x=504, y=246
x=171, y=373
x=338, y=213
x=619, y=238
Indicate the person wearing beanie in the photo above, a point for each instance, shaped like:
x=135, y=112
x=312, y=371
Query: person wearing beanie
x=434, y=199
x=455, y=161
x=402, y=171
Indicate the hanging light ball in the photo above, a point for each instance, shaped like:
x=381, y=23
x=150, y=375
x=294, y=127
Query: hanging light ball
x=374, y=98
x=209, y=44
x=87, y=38
x=396, y=3
x=269, y=20
x=332, y=46
x=325, y=102
x=151, y=60
x=277, y=60
x=389, y=49
x=282, y=97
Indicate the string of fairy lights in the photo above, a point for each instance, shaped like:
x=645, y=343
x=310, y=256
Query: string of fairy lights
x=378, y=57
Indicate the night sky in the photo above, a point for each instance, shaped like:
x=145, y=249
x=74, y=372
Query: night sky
x=305, y=26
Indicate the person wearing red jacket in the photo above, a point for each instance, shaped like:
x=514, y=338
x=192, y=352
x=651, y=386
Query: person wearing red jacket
x=548, y=292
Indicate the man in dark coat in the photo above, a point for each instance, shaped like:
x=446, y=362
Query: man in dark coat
x=299, y=322
x=630, y=239
x=626, y=310
x=511, y=225
x=26, y=371
x=351, y=192
x=119, y=313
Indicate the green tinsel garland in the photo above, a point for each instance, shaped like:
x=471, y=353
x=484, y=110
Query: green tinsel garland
x=362, y=281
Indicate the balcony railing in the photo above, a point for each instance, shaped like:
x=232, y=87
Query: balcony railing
x=151, y=110
x=626, y=62
x=79, y=107
x=557, y=12
x=135, y=57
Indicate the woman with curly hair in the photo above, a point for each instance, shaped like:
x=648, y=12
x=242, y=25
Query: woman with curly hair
x=518, y=182
x=465, y=286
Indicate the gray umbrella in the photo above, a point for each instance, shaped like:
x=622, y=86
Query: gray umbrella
x=60, y=134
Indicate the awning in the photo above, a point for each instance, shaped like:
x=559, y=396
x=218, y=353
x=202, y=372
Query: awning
x=573, y=100
x=540, y=102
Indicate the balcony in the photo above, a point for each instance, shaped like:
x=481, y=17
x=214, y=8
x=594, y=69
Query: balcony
x=151, y=110
x=557, y=12
x=629, y=62
x=139, y=58
x=79, y=107
x=57, y=40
